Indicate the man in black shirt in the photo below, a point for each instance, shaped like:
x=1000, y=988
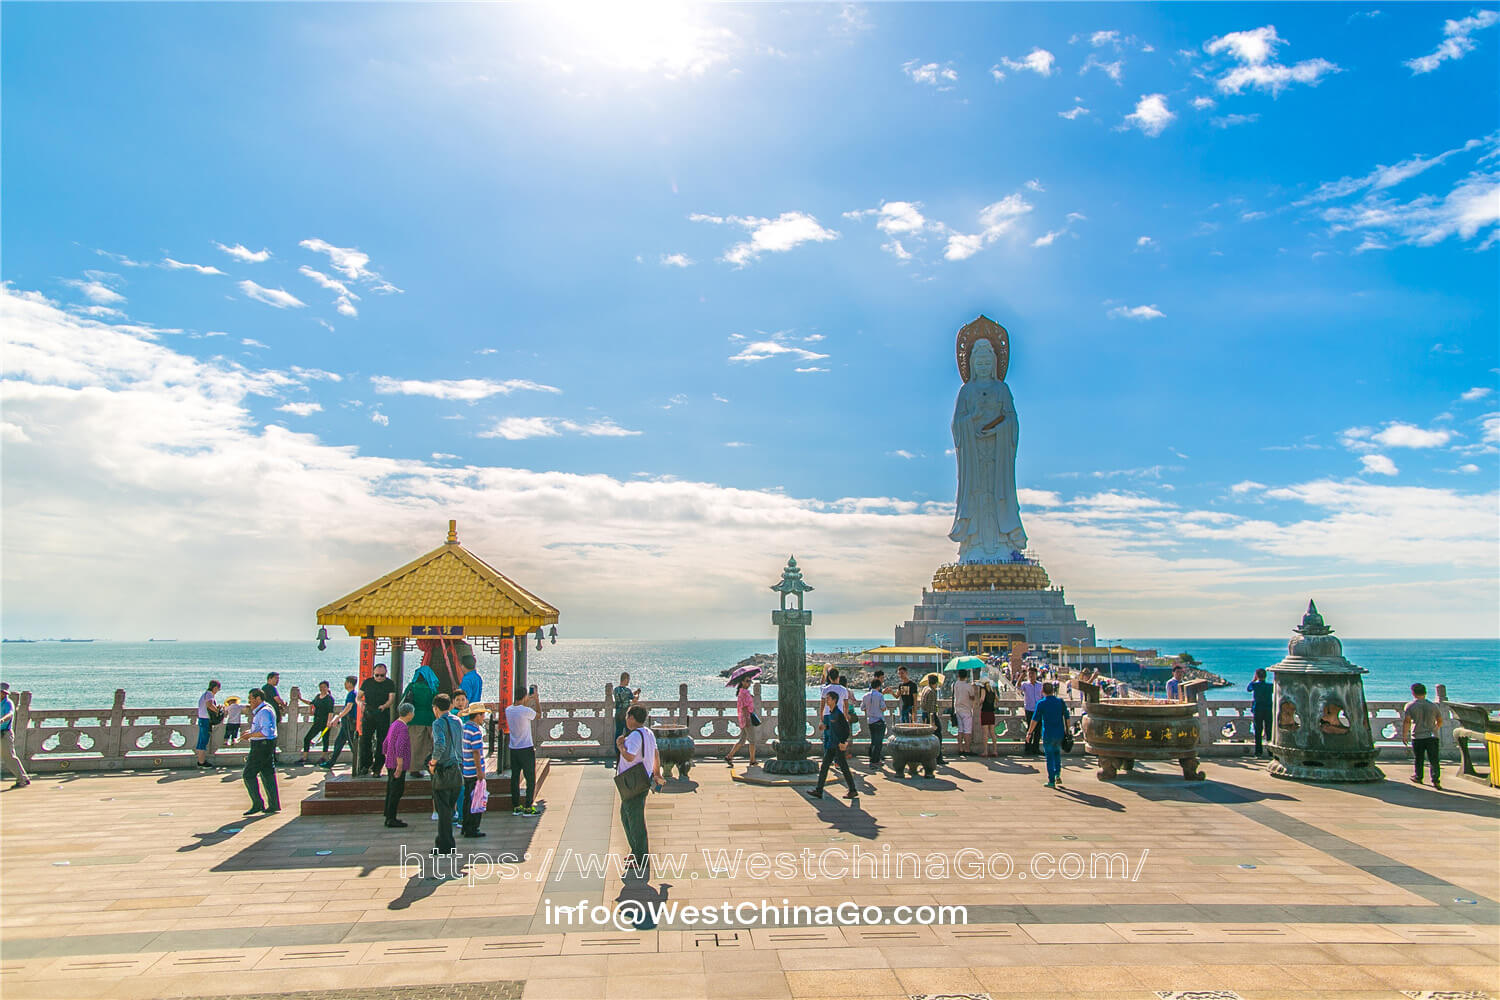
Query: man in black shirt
x=1260, y=713
x=906, y=689
x=378, y=693
x=273, y=696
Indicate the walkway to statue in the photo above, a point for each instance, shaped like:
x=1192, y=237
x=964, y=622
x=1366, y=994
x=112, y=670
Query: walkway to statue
x=150, y=885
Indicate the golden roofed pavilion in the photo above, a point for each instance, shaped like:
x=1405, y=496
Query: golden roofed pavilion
x=449, y=592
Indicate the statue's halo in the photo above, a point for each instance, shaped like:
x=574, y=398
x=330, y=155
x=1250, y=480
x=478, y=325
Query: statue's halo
x=983, y=328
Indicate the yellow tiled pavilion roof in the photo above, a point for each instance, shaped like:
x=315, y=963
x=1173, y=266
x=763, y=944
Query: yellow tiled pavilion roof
x=449, y=586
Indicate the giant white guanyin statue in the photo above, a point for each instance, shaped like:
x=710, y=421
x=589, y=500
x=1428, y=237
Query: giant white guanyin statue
x=987, y=521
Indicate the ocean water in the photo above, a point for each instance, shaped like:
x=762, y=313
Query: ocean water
x=169, y=674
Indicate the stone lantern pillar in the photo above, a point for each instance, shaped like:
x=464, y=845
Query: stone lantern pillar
x=791, y=747
x=1321, y=730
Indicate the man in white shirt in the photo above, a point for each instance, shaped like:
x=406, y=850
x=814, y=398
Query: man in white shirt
x=1031, y=693
x=831, y=683
x=963, y=710
x=260, y=763
x=637, y=747
x=518, y=720
x=874, y=705
x=208, y=707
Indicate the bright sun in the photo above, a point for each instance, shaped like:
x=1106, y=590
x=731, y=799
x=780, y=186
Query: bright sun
x=661, y=36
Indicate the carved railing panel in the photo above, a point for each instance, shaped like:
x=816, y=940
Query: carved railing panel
x=87, y=739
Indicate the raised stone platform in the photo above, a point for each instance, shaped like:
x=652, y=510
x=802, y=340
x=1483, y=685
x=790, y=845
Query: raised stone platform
x=982, y=599
x=344, y=795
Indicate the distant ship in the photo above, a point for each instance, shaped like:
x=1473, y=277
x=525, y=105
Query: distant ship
x=75, y=640
x=161, y=640
x=17, y=640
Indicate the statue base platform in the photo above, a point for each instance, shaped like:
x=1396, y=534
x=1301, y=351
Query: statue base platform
x=758, y=775
x=991, y=576
x=987, y=606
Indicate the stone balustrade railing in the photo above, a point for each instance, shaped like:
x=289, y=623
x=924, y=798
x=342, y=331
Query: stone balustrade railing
x=120, y=737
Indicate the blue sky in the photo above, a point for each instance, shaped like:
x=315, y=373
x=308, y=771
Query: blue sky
x=649, y=299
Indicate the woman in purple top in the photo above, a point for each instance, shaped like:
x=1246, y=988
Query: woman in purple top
x=397, y=749
x=744, y=702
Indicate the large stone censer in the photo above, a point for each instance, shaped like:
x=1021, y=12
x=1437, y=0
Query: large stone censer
x=1322, y=728
x=1121, y=731
x=913, y=745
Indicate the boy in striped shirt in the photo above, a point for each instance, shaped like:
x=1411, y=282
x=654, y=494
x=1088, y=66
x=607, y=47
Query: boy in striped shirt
x=473, y=767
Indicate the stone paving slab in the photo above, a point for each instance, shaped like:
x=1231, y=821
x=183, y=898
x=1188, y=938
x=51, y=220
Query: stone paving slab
x=1345, y=892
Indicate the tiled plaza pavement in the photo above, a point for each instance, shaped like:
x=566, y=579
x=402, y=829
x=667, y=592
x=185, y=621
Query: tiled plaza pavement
x=151, y=885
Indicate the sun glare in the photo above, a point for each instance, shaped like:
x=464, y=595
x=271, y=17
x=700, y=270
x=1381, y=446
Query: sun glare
x=658, y=36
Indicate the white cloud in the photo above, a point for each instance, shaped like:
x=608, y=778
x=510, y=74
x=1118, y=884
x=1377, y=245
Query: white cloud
x=95, y=289
x=761, y=350
x=1478, y=392
x=1468, y=210
x=343, y=303
x=468, y=390
x=522, y=428
x=349, y=262
x=1101, y=38
x=1255, y=52
x=353, y=264
x=1399, y=435
x=810, y=371
x=931, y=74
x=241, y=252
x=252, y=342
x=1490, y=426
x=897, y=249
x=1136, y=312
x=1073, y=112
x=332, y=284
x=1038, y=61
x=1114, y=70
x=1047, y=238
x=1383, y=176
x=1246, y=486
x=1456, y=42
x=995, y=220
x=1468, y=468
x=121, y=259
x=901, y=453
x=1144, y=241
x=676, y=260
x=300, y=409
x=1230, y=121
x=997, y=73
x=778, y=235
x=1378, y=465
x=380, y=418
x=177, y=265
x=1151, y=114
x=1203, y=103
x=278, y=297
x=736, y=444
x=105, y=312
x=1035, y=184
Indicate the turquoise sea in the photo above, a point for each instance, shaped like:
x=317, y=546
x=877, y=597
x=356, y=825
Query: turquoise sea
x=168, y=674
